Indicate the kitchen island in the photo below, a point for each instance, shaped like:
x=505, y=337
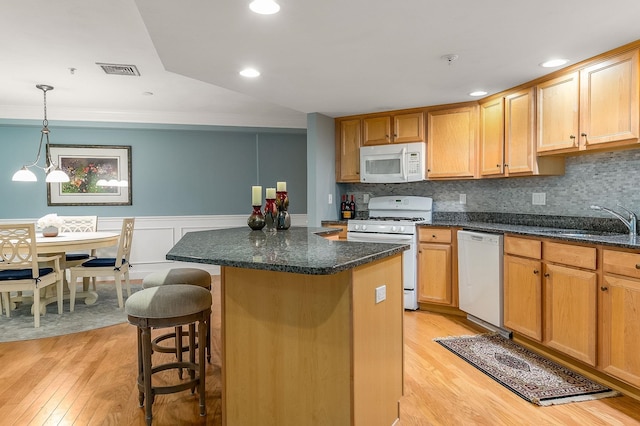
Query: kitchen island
x=311, y=328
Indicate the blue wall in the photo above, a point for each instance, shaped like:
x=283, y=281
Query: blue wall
x=176, y=170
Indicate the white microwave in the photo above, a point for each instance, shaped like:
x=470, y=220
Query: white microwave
x=393, y=163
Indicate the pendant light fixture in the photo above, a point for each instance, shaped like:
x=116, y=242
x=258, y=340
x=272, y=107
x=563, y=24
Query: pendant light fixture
x=54, y=174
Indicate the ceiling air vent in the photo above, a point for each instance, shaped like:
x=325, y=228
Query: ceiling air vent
x=118, y=69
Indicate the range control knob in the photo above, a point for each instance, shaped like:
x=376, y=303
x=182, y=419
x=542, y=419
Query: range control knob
x=394, y=229
x=364, y=227
x=402, y=229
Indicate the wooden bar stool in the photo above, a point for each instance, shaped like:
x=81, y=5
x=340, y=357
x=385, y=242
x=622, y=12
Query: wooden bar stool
x=191, y=276
x=169, y=306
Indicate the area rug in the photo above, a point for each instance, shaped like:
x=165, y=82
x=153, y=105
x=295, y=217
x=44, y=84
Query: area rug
x=531, y=376
x=104, y=312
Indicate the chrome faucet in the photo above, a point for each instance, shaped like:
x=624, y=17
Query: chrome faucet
x=630, y=223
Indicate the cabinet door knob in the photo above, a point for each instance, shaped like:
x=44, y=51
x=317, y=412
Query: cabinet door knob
x=584, y=135
x=433, y=236
x=498, y=165
x=547, y=275
x=506, y=165
x=637, y=265
x=572, y=137
x=604, y=288
x=535, y=271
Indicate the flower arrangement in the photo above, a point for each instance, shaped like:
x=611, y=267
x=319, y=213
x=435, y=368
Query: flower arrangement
x=50, y=220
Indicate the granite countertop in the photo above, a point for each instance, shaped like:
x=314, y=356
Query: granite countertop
x=297, y=250
x=613, y=239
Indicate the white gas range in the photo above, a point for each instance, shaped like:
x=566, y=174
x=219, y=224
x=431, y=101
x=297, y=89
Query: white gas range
x=393, y=219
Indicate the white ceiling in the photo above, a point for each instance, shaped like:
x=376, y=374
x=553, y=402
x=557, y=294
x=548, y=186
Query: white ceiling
x=335, y=57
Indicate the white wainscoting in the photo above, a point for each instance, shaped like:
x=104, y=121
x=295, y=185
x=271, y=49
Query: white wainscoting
x=154, y=236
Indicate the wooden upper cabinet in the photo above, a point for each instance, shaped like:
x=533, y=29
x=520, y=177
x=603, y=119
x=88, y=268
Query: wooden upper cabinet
x=592, y=109
x=348, y=139
x=520, y=154
x=408, y=127
x=558, y=101
x=609, y=100
x=492, y=138
x=394, y=128
x=377, y=130
x=451, y=142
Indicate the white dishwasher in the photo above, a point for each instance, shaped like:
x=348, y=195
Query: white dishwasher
x=480, y=276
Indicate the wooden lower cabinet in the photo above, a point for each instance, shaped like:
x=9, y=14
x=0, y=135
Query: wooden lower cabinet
x=437, y=267
x=550, y=294
x=619, y=310
x=570, y=311
x=434, y=270
x=523, y=296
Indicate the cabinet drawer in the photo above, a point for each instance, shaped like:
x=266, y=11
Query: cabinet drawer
x=522, y=247
x=566, y=254
x=434, y=235
x=620, y=262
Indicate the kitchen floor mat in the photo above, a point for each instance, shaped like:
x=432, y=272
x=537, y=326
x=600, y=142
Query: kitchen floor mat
x=529, y=375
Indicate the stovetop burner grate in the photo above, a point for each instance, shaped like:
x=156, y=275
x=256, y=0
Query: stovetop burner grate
x=398, y=219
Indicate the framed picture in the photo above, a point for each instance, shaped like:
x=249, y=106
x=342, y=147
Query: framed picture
x=99, y=175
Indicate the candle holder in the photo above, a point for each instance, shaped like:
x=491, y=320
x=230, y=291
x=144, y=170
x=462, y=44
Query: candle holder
x=270, y=214
x=256, y=220
x=283, y=220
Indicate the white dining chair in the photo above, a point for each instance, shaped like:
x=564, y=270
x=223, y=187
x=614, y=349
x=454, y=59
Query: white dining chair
x=116, y=267
x=20, y=270
x=78, y=224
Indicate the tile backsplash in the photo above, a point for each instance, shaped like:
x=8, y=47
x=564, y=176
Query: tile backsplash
x=606, y=179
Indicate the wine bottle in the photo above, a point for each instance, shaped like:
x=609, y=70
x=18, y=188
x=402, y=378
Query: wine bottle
x=346, y=213
x=343, y=206
x=352, y=207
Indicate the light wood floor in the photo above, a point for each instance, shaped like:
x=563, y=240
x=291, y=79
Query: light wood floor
x=89, y=379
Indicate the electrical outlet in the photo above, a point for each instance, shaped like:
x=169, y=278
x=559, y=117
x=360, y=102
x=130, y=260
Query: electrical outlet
x=539, y=198
x=381, y=293
x=365, y=198
x=330, y=198
x=463, y=198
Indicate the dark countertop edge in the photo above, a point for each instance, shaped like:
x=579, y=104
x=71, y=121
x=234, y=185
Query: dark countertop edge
x=392, y=249
x=620, y=241
x=342, y=222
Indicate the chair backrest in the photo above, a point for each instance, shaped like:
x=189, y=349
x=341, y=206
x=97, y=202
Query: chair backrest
x=126, y=238
x=18, y=247
x=79, y=223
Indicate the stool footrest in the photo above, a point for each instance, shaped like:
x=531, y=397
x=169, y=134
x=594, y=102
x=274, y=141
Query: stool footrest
x=157, y=347
x=161, y=390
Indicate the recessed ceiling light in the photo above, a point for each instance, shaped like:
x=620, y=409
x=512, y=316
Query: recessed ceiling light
x=478, y=93
x=554, y=63
x=250, y=72
x=264, y=7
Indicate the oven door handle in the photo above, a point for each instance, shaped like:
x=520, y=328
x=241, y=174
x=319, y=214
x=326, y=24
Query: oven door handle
x=361, y=237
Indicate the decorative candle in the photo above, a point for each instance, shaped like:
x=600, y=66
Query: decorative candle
x=256, y=195
x=271, y=193
x=281, y=186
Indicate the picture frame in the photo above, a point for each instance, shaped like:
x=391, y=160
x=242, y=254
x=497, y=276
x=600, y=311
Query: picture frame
x=100, y=175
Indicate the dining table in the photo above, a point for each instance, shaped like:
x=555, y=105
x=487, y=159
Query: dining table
x=68, y=242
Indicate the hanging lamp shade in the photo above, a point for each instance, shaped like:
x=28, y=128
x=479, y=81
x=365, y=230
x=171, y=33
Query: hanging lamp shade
x=51, y=168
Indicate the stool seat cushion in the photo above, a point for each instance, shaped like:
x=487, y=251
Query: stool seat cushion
x=168, y=301
x=193, y=276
